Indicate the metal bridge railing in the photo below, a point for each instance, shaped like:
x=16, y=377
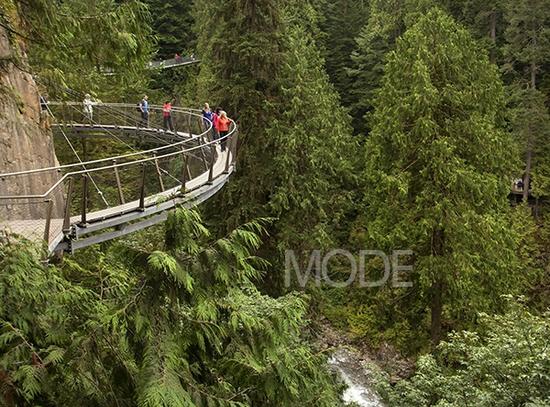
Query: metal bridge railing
x=168, y=63
x=87, y=191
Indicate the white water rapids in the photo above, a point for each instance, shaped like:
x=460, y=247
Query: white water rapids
x=356, y=378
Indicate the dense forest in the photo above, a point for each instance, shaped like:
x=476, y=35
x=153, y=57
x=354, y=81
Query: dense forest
x=408, y=139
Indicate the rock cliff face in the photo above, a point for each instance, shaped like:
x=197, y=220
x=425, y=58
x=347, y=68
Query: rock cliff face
x=25, y=140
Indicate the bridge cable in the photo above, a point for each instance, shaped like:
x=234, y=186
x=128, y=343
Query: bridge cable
x=128, y=145
x=100, y=193
x=115, y=113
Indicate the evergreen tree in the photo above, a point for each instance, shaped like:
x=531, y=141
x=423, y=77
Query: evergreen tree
x=485, y=19
x=528, y=49
x=438, y=168
x=173, y=26
x=311, y=135
x=179, y=324
x=294, y=145
x=386, y=22
x=342, y=20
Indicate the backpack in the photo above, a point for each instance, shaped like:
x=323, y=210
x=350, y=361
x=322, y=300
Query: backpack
x=138, y=107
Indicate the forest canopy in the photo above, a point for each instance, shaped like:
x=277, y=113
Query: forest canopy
x=416, y=126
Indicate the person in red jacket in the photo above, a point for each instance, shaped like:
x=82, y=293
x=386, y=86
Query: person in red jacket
x=223, y=128
x=167, y=116
x=215, y=117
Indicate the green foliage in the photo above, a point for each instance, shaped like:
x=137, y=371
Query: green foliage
x=485, y=19
x=438, y=149
x=173, y=26
x=342, y=21
x=72, y=43
x=294, y=155
x=527, y=35
x=505, y=363
x=179, y=325
x=527, y=49
x=386, y=22
x=531, y=126
x=311, y=140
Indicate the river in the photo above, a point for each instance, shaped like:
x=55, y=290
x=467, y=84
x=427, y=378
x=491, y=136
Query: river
x=356, y=376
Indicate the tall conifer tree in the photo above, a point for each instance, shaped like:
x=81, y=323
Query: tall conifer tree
x=386, y=22
x=438, y=168
x=263, y=64
x=173, y=25
x=528, y=49
x=342, y=21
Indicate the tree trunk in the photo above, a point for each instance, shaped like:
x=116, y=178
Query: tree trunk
x=493, y=35
x=437, y=311
x=438, y=249
x=527, y=175
x=529, y=154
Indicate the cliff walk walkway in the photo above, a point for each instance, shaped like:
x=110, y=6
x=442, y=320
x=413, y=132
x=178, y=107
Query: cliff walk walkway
x=165, y=64
x=91, y=201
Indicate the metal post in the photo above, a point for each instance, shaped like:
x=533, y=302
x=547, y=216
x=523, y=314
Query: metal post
x=159, y=174
x=189, y=122
x=84, y=148
x=141, y=206
x=203, y=155
x=84, y=200
x=208, y=135
x=235, y=140
x=184, y=172
x=49, y=211
x=118, y=184
x=229, y=152
x=212, y=161
x=67, y=213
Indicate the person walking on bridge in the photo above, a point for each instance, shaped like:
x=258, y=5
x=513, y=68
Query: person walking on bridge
x=223, y=127
x=207, y=117
x=167, y=116
x=144, y=109
x=215, y=118
x=88, y=107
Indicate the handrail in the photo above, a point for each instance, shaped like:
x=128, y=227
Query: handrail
x=167, y=63
x=154, y=156
x=162, y=64
x=151, y=107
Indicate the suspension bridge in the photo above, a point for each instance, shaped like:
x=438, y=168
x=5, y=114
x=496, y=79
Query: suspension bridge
x=92, y=201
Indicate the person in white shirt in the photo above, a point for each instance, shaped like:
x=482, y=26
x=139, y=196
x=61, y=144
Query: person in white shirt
x=88, y=107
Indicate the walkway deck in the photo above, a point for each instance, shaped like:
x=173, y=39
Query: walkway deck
x=120, y=220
